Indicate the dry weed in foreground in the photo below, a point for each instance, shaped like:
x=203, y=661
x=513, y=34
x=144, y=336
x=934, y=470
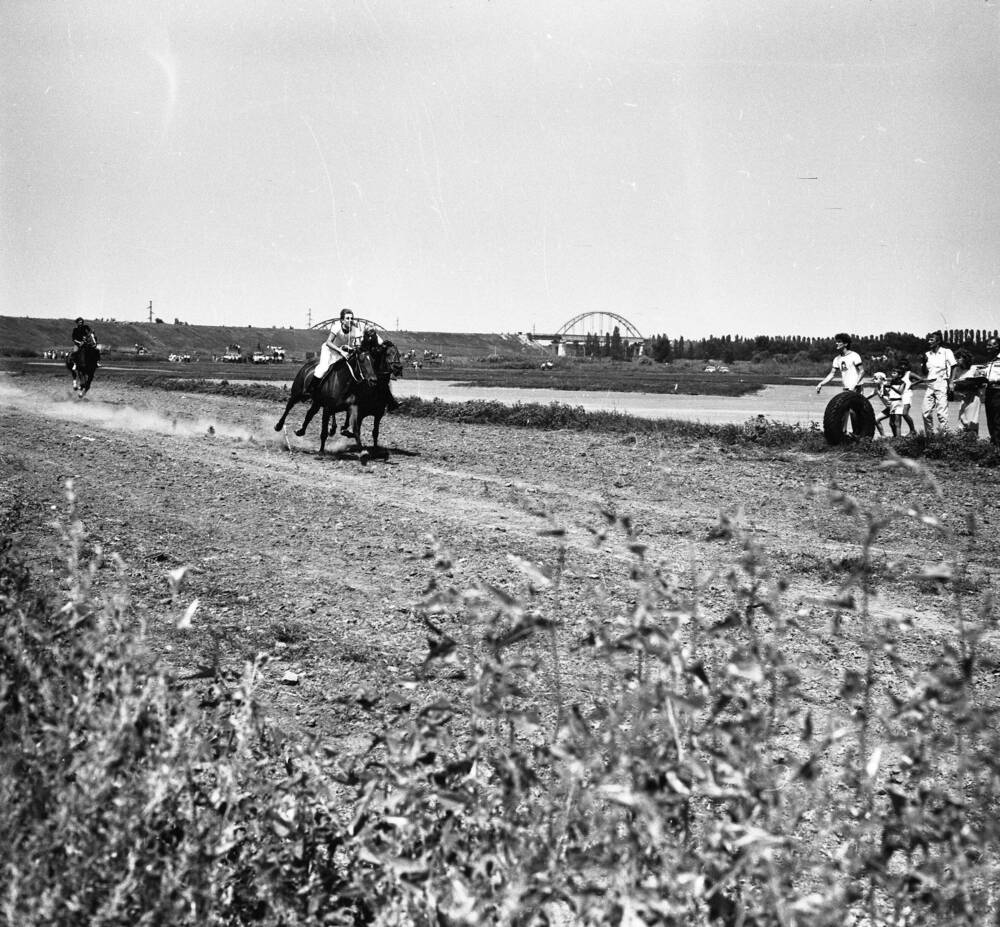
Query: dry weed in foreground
x=693, y=785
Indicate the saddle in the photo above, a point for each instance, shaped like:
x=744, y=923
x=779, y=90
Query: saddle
x=359, y=365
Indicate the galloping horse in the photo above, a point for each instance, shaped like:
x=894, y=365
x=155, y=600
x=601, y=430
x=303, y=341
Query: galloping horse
x=82, y=364
x=343, y=390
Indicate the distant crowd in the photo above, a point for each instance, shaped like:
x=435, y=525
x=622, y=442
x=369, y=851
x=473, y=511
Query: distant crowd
x=946, y=375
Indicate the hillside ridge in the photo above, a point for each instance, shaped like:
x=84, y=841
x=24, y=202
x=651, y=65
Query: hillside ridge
x=24, y=336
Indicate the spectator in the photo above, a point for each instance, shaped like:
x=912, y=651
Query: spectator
x=968, y=374
x=939, y=363
x=991, y=397
x=902, y=382
x=847, y=363
x=885, y=395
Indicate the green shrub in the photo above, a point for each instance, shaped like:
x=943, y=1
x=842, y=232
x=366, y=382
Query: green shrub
x=694, y=779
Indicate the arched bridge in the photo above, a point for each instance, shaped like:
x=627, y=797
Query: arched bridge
x=587, y=324
x=364, y=323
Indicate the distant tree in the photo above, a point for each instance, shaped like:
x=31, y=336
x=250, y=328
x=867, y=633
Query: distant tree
x=616, y=344
x=661, y=349
x=159, y=321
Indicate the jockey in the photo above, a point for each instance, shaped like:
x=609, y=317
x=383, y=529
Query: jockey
x=82, y=334
x=343, y=339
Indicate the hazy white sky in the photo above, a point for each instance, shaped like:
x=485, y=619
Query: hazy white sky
x=502, y=165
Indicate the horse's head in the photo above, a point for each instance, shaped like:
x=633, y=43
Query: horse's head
x=392, y=362
x=369, y=341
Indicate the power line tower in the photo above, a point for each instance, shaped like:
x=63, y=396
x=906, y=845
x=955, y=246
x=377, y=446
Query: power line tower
x=150, y=310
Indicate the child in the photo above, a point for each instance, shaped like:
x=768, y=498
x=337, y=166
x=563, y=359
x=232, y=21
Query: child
x=883, y=393
x=902, y=384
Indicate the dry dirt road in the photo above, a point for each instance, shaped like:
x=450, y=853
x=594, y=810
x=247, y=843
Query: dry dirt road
x=323, y=564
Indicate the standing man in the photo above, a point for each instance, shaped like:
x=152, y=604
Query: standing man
x=940, y=365
x=344, y=336
x=847, y=363
x=991, y=395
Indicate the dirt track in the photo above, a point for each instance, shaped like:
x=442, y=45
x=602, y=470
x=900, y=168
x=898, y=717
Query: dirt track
x=322, y=563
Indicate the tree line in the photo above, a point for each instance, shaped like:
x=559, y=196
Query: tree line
x=797, y=348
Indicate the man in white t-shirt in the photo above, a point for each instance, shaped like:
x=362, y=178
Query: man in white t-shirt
x=847, y=363
x=940, y=364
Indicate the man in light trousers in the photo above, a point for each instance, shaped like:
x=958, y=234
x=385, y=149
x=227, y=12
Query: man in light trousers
x=940, y=364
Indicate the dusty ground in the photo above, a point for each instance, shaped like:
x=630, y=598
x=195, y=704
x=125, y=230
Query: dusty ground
x=321, y=562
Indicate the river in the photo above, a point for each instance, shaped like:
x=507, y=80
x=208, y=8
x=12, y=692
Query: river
x=793, y=405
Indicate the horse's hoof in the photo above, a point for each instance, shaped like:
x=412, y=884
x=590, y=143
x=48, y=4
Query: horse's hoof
x=300, y=432
x=279, y=426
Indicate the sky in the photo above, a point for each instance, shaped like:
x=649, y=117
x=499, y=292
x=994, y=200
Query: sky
x=723, y=167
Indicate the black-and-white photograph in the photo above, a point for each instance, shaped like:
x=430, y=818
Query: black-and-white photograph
x=500, y=463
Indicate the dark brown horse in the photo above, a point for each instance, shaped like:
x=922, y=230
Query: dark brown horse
x=82, y=364
x=347, y=389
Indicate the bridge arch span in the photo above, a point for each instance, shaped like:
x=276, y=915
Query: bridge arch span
x=598, y=322
x=364, y=323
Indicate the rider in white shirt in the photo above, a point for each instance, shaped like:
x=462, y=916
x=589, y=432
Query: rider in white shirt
x=345, y=335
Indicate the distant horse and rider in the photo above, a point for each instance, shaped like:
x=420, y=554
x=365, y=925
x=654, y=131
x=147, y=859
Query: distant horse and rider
x=85, y=359
x=356, y=383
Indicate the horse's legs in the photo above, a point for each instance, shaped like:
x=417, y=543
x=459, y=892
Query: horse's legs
x=324, y=430
x=293, y=400
x=313, y=409
x=376, y=421
x=354, y=419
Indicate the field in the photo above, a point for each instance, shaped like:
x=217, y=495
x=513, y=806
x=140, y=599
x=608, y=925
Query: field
x=715, y=667
x=686, y=377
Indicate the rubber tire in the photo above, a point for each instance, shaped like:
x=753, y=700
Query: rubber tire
x=991, y=404
x=844, y=404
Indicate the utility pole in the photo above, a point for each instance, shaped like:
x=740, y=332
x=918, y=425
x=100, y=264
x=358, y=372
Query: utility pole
x=150, y=310
x=309, y=318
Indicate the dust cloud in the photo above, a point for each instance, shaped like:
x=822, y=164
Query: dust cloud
x=123, y=417
x=117, y=416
